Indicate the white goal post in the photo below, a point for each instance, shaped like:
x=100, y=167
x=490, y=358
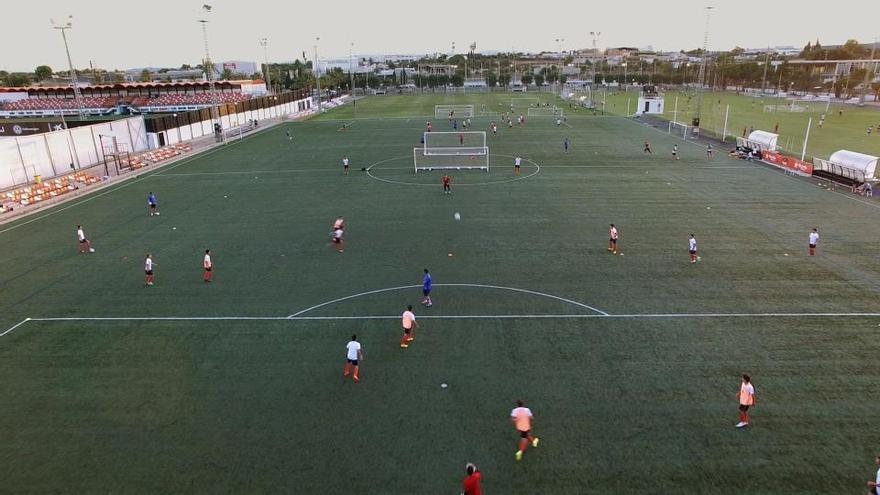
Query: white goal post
x=454, y=140
x=441, y=111
x=428, y=159
x=790, y=107
x=545, y=112
x=679, y=129
x=525, y=100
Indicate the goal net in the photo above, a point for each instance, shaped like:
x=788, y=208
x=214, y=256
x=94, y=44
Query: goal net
x=428, y=159
x=451, y=141
x=679, y=129
x=443, y=111
x=524, y=102
x=785, y=108
x=545, y=112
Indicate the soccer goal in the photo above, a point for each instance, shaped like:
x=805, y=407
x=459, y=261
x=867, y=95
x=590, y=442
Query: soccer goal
x=428, y=159
x=454, y=140
x=456, y=111
x=553, y=111
x=524, y=101
x=785, y=108
x=679, y=129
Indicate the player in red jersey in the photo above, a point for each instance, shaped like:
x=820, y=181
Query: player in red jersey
x=470, y=485
x=447, y=188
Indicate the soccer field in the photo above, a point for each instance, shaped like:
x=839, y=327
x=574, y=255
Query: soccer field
x=845, y=126
x=629, y=362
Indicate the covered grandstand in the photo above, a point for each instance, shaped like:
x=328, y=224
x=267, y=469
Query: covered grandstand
x=41, y=101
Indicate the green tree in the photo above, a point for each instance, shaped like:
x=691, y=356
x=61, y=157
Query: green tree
x=18, y=79
x=456, y=80
x=539, y=80
x=491, y=79
x=118, y=77
x=42, y=72
x=4, y=76
x=226, y=74
x=145, y=76
x=526, y=79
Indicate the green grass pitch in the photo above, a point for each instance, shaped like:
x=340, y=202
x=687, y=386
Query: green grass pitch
x=629, y=362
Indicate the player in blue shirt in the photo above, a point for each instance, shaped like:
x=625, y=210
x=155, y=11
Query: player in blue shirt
x=151, y=203
x=426, y=289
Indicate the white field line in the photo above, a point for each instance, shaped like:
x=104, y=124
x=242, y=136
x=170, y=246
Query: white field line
x=480, y=286
x=13, y=327
x=131, y=181
x=447, y=317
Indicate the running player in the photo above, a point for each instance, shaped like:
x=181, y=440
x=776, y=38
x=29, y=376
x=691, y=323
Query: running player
x=522, y=417
x=647, y=148
x=522, y=120
x=451, y=114
x=470, y=485
x=428, y=126
x=494, y=128
x=148, y=269
x=152, y=204
x=675, y=151
x=814, y=239
x=692, y=248
x=85, y=245
x=746, y=397
x=565, y=145
x=873, y=486
x=289, y=137
x=427, y=283
x=338, y=234
x=461, y=139
x=339, y=223
x=353, y=356
x=447, y=189
x=517, y=162
x=612, y=239
x=345, y=165
x=509, y=123
x=208, y=266
x=709, y=151
x=409, y=323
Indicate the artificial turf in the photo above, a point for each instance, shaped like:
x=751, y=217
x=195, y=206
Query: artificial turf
x=641, y=401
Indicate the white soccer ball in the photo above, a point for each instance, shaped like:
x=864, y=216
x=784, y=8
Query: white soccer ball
x=457, y=216
x=157, y=213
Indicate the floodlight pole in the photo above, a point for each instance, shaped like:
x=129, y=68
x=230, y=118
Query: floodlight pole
x=209, y=70
x=264, y=42
x=703, y=63
x=806, y=139
x=351, y=73
x=73, y=78
x=726, y=114
x=317, y=74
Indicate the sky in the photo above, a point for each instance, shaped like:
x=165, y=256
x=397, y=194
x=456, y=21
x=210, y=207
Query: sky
x=164, y=33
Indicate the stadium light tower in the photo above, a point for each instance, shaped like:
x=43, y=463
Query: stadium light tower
x=595, y=35
x=264, y=42
x=560, y=42
x=317, y=74
x=73, y=79
x=208, y=65
x=703, y=65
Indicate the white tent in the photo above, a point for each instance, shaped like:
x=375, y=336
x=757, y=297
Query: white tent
x=764, y=140
x=865, y=164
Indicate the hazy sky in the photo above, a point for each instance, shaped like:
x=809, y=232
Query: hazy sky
x=165, y=32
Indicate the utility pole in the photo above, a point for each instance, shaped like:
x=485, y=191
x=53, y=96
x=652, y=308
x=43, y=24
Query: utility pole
x=264, y=42
x=73, y=78
x=766, y=65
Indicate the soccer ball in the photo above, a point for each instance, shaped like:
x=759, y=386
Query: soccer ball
x=157, y=213
x=457, y=216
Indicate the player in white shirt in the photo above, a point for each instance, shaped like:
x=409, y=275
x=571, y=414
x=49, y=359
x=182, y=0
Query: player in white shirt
x=148, y=269
x=692, y=249
x=612, y=239
x=345, y=164
x=814, y=239
x=208, y=265
x=874, y=486
x=85, y=245
x=337, y=239
x=353, y=356
x=409, y=324
x=517, y=163
x=675, y=151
